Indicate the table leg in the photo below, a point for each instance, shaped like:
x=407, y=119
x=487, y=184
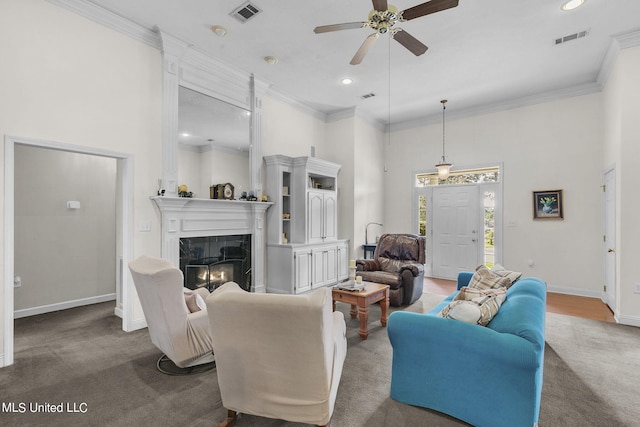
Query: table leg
x=363, y=315
x=334, y=305
x=353, y=311
x=384, y=307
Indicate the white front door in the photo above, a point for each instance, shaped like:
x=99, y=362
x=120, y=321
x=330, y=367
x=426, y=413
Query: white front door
x=610, y=238
x=457, y=239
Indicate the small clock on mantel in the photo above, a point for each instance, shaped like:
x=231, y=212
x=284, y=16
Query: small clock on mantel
x=227, y=191
x=222, y=191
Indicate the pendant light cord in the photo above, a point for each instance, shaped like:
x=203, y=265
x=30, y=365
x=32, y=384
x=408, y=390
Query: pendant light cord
x=444, y=107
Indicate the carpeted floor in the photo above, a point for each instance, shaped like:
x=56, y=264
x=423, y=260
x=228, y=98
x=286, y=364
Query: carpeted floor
x=82, y=359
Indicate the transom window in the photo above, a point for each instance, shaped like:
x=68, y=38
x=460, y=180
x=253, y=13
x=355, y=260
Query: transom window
x=469, y=176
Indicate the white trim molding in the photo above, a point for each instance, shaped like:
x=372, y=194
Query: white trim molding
x=26, y=312
x=192, y=217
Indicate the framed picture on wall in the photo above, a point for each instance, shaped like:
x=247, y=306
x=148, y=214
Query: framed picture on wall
x=547, y=204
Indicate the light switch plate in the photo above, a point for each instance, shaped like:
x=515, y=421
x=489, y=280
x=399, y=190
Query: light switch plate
x=144, y=225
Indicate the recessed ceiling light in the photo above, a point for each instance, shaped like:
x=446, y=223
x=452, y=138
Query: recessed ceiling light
x=219, y=30
x=185, y=134
x=572, y=4
x=271, y=60
x=347, y=81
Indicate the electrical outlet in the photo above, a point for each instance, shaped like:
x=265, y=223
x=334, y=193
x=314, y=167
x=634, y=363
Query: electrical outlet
x=636, y=288
x=17, y=282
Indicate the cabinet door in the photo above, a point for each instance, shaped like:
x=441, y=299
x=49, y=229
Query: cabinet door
x=330, y=214
x=325, y=266
x=315, y=226
x=330, y=256
x=302, y=271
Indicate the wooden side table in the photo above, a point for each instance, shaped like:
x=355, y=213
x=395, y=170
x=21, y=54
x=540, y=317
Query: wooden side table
x=360, y=302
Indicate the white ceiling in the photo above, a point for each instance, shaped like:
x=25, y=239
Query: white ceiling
x=480, y=53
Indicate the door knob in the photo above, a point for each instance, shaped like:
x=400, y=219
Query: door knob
x=611, y=250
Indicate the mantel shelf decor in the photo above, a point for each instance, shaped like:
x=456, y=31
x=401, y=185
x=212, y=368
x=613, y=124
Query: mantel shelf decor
x=548, y=204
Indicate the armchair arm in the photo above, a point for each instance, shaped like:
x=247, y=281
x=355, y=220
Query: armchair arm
x=367, y=265
x=464, y=277
x=415, y=268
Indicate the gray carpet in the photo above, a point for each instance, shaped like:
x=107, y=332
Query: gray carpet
x=81, y=356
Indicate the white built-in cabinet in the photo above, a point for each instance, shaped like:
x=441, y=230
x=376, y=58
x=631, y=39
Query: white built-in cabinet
x=303, y=249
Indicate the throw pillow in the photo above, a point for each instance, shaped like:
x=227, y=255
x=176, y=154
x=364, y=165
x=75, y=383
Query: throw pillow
x=194, y=301
x=484, y=278
x=476, y=306
x=499, y=270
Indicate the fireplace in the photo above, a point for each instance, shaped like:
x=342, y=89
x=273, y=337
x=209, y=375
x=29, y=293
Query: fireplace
x=235, y=232
x=213, y=260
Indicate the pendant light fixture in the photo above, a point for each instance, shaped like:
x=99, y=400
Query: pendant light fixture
x=443, y=167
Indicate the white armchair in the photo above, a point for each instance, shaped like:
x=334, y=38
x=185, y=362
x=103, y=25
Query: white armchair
x=277, y=356
x=182, y=335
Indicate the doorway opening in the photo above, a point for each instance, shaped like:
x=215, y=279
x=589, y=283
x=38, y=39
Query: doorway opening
x=123, y=244
x=461, y=218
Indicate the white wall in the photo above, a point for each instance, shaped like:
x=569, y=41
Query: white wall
x=63, y=254
x=290, y=131
x=61, y=80
x=369, y=195
x=556, y=145
x=340, y=136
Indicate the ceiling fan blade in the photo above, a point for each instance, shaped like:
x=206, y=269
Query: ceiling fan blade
x=427, y=8
x=380, y=5
x=362, y=52
x=413, y=44
x=338, y=27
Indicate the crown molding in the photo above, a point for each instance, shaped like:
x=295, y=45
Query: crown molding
x=289, y=100
x=507, y=104
x=111, y=20
x=619, y=42
x=151, y=37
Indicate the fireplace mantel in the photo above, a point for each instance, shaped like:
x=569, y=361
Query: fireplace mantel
x=192, y=217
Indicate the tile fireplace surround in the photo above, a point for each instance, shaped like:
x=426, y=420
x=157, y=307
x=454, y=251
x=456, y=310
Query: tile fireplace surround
x=183, y=217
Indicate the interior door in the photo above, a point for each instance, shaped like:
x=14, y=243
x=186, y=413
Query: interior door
x=456, y=230
x=610, y=238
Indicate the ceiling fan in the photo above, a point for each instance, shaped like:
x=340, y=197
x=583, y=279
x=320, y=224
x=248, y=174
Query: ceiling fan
x=383, y=19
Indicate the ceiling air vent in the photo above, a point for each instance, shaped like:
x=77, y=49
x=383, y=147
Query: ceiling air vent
x=369, y=95
x=246, y=11
x=570, y=37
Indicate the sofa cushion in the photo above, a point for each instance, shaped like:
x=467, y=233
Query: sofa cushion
x=484, y=278
x=499, y=270
x=477, y=306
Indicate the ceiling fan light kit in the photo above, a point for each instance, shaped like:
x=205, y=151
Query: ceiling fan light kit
x=383, y=18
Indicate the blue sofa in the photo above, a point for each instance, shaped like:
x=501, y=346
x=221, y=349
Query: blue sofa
x=486, y=376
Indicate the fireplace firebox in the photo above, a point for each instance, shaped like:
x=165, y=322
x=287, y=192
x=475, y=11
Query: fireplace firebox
x=213, y=260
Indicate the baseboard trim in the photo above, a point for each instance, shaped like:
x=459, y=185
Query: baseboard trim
x=628, y=320
x=578, y=292
x=26, y=312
